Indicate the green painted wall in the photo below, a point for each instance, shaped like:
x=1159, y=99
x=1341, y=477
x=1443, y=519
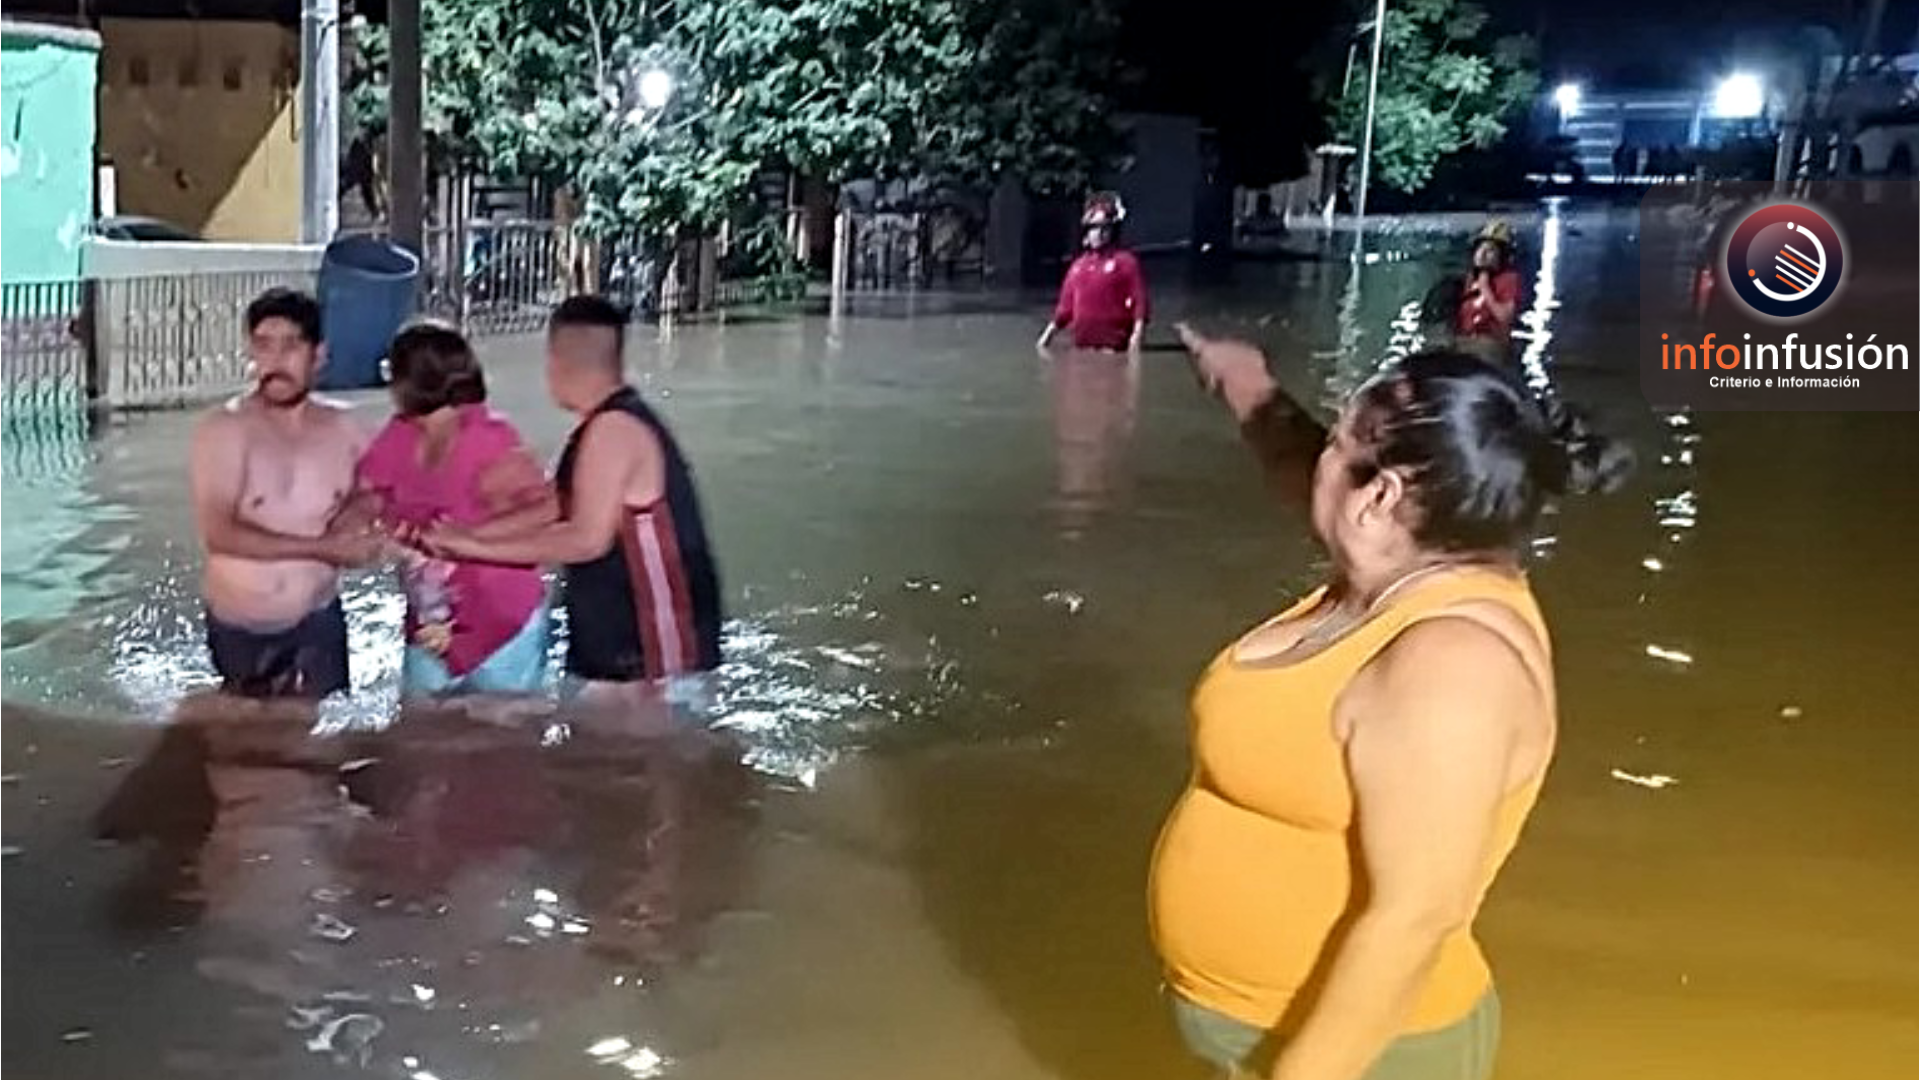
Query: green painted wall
x=47, y=80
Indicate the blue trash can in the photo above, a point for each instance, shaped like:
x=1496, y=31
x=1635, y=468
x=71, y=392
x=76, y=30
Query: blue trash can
x=367, y=289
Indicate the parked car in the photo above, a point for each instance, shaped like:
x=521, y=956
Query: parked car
x=144, y=230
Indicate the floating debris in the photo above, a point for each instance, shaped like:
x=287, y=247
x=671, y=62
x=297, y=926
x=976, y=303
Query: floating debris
x=348, y=1038
x=9, y=851
x=545, y=896
x=1790, y=712
x=644, y=1063
x=77, y=1035
x=115, y=762
x=1071, y=601
x=849, y=657
x=1659, y=652
x=9, y=779
x=330, y=928
x=302, y=1017
x=610, y=1048
x=1654, y=781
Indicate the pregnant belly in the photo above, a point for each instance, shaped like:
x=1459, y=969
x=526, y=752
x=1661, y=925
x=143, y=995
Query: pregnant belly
x=1242, y=906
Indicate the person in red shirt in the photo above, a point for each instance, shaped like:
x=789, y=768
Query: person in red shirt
x=1491, y=295
x=1104, y=295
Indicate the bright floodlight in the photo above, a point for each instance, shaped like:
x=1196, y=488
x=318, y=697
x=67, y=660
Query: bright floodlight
x=1567, y=96
x=656, y=88
x=1739, y=97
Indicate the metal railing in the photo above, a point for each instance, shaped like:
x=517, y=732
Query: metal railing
x=916, y=250
x=168, y=339
x=44, y=350
x=176, y=339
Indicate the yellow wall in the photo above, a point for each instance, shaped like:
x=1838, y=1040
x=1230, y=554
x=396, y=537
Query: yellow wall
x=200, y=119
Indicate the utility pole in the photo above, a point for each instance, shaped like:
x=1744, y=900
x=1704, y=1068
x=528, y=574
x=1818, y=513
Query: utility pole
x=1373, y=88
x=406, y=144
x=319, y=120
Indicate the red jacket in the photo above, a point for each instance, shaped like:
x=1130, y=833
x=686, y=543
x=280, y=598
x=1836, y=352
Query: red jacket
x=1478, y=319
x=1103, y=295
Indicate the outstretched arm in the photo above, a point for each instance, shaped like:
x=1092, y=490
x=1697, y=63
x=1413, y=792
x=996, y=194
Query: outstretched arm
x=619, y=458
x=1284, y=436
x=517, y=495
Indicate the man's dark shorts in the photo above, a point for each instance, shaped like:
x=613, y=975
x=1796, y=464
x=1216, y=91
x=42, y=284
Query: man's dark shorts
x=305, y=660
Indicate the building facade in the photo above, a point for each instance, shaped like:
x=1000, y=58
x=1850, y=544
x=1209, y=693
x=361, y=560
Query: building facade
x=47, y=77
x=200, y=124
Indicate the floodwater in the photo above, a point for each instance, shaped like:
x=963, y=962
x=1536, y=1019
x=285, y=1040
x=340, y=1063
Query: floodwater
x=909, y=835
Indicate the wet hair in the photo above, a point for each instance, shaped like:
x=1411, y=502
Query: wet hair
x=1482, y=456
x=592, y=310
x=433, y=367
x=297, y=307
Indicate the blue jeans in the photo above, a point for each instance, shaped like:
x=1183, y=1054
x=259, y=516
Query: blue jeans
x=518, y=667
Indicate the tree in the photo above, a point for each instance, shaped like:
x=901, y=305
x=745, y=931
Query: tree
x=1443, y=88
x=832, y=88
x=1046, y=121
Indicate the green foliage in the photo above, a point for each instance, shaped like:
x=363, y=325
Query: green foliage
x=1443, y=89
x=831, y=88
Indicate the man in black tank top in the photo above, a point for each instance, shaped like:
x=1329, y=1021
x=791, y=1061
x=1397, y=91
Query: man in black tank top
x=642, y=590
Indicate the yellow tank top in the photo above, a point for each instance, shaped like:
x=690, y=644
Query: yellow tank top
x=1255, y=865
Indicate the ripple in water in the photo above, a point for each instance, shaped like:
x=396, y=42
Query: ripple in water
x=800, y=685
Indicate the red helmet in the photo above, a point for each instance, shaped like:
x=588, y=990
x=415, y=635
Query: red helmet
x=1103, y=208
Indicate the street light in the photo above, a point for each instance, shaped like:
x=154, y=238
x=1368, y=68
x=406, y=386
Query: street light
x=1567, y=96
x=656, y=88
x=1739, y=97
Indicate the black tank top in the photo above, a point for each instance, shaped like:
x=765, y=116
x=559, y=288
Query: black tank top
x=649, y=607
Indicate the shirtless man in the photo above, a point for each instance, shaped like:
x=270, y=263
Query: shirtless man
x=271, y=472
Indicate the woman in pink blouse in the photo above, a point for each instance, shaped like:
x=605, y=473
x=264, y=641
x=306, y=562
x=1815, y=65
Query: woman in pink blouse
x=446, y=457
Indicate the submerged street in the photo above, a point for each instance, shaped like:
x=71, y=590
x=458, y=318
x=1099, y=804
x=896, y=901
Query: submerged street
x=909, y=834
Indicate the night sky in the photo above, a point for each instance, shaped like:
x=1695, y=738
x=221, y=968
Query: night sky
x=1242, y=65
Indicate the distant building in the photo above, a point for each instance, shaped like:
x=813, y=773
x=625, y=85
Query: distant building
x=197, y=111
x=199, y=121
x=1620, y=133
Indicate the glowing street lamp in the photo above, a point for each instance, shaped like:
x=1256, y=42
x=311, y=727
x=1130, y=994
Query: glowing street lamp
x=644, y=92
x=656, y=88
x=1739, y=97
x=1567, y=97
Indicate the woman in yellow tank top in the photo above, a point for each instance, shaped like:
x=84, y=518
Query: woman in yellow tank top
x=1364, y=761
